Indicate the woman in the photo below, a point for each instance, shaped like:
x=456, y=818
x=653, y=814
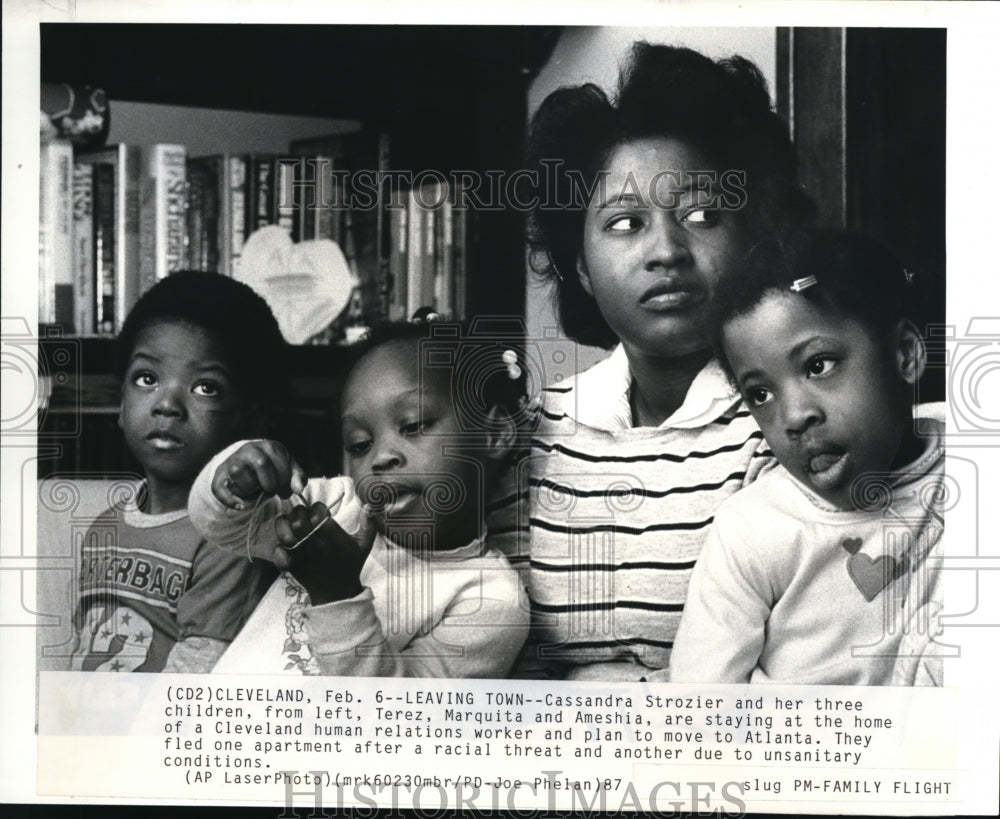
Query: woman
x=646, y=202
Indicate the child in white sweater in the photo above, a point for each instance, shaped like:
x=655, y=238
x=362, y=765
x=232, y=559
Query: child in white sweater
x=387, y=572
x=817, y=572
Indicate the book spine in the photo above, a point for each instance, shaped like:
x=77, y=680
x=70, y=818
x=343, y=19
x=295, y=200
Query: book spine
x=194, y=213
x=446, y=260
x=262, y=199
x=162, y=213
x=128, y=200
x=429, y=266
x=398, y=240
x=224, y=235
x=325, y=213
x=307, y=200
x=84, y=269
x=288, y=171
x=46, y=228
x=439, y=283
x=173, y=164
x=337, y=211
x=238, y=209
x=64, y=309
x=56, y=214
x=414, y=254
x=105, y=246
x=147, y=230
x=211, y=207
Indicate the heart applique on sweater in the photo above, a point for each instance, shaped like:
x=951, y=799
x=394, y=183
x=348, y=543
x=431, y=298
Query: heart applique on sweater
x=871, y=576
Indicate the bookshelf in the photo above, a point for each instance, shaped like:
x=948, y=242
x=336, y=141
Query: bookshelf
x=448, y=98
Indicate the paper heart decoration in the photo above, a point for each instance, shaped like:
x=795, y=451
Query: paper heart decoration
x=307, y=285
x=871, y=576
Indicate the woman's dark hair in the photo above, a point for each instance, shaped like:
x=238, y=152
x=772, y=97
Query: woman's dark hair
x=857, y=277
x=469, y=359
x=233, y=313
x=721, y=108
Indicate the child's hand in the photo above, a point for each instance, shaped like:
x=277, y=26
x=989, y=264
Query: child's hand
x=328, y=561
x=255, y=468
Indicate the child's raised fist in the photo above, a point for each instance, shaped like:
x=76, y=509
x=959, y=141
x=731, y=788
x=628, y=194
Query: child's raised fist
x=255, y=468
x=325, y=559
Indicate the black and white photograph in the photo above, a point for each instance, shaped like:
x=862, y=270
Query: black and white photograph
x=453, y=412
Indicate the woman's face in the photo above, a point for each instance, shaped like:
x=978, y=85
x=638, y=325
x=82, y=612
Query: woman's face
x=660, y=230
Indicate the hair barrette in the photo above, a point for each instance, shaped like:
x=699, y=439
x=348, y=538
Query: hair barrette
x=425, y=315
x=802, y=284
x=509, y=358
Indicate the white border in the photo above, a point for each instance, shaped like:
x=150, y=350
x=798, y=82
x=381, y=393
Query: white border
x=973, y=89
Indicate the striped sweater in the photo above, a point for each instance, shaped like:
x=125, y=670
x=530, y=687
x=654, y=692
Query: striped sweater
x=616, y=517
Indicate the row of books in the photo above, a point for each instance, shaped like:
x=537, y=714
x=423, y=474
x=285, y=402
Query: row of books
x=115, y=221
x=111, y=224
x=428, y=252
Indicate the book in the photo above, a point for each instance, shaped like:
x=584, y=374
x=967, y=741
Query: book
x=126, y=195
x=414, y=253
x=318, y=200
x=46, y=278
x=162, y=241
x=439, y=273
x=307, y=199
x=288, y=171
x=330, y=218
x=235, y=205
x=260, y=187
x=106, y=319
x=194, y=212
x=207, y=224
x=84, y=267
x=55, y=240
x=398, y=244
x=427, y=195
x=212, y=217
x=446, y=262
